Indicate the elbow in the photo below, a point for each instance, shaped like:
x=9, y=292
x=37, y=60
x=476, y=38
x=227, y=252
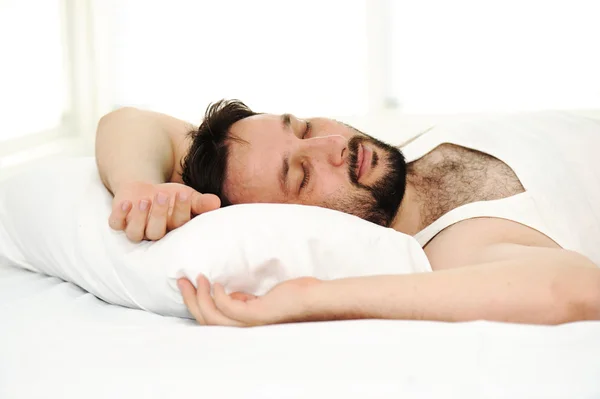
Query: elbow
x=578, y=296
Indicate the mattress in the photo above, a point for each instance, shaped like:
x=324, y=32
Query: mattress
x=58, y=341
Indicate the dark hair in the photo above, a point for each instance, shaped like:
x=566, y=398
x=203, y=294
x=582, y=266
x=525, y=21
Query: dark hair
x=205, y=164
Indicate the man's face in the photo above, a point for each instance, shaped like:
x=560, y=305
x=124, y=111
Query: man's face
x=322, y=162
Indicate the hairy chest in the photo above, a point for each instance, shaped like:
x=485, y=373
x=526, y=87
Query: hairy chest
x=451, y=176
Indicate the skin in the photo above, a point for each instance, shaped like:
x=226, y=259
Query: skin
x=252, y=175
x=323, y=156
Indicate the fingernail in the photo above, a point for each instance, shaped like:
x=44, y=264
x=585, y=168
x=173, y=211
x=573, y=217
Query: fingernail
x=183, y=197
x=162, y=198
x=180, y=284
x=144, y=205
x=125, y=205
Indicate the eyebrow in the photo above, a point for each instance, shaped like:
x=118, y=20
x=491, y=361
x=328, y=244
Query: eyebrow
x=286, y=121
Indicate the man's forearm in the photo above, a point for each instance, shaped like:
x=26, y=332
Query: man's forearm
x=545, y=290
x=134, y=145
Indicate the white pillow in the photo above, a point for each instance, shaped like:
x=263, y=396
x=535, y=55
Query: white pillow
x=53, y=220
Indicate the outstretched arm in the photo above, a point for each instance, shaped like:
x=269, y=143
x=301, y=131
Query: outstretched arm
x=553, y=287
x=540, y=285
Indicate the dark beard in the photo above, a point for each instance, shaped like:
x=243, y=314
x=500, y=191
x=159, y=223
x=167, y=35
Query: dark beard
x=379, y=203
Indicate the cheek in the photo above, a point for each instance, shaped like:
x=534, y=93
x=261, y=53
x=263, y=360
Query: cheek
x=330, y=185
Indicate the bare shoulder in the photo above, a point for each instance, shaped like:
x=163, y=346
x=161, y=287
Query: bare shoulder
x=478, y=240
x=178, y=131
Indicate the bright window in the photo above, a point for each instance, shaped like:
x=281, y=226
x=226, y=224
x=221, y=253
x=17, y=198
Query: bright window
x=32, y=78
x=307, y=57
x=473, y=55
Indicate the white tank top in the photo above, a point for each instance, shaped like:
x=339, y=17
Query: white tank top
x=555, y=155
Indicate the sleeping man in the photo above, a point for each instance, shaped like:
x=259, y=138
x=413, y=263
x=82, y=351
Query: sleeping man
x=510, y=222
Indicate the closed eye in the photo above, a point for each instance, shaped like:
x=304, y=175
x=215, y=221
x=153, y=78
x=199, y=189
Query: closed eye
x=306, y=178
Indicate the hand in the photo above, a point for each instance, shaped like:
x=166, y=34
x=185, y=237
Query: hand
x=286, y=302
x=149, y=211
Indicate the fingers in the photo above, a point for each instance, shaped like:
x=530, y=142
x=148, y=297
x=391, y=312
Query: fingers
x=204, y=203
x=117, y=219
x=224, y=310
x=189, y=299
x=181, y=210
x=157, y=222
x=150, y=214
x=234, y=308
x=152, y=219
x=206, y=304
x=136, y=220
x=201, y=305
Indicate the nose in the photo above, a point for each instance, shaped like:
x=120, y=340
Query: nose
x=331, y=149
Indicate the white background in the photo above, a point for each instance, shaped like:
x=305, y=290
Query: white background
x=373, y=63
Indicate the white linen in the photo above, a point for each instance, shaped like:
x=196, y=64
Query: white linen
x=54, y=220
x=58, y=341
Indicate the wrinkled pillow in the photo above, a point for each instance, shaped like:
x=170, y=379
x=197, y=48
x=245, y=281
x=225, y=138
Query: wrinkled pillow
x=54, y=220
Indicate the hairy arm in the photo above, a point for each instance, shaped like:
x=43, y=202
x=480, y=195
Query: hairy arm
x=530, y=285
x=134, y=145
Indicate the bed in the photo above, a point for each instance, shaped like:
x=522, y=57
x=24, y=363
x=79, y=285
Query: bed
x=58, y=341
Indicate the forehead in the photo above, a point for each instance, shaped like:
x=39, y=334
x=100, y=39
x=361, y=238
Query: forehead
x=256, y=159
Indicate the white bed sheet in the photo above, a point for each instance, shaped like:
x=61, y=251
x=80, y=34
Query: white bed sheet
x=57, y=341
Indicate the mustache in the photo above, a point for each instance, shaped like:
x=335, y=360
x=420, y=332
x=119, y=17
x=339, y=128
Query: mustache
x=353, y=145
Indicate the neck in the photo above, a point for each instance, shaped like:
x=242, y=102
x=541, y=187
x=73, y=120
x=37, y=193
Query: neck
x=409, y=218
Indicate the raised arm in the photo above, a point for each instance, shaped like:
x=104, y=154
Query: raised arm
x=134, y=145
x=139, y=157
